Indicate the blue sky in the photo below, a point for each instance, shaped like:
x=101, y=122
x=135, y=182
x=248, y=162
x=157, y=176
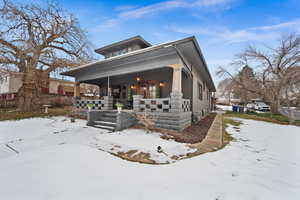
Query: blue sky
x=222, y=27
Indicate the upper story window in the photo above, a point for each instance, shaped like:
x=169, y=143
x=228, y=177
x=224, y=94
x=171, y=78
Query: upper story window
x=122, y=47
x=119, y=52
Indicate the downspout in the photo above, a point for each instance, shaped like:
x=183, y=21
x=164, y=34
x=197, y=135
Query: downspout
x=192, y=92
x=108, y=91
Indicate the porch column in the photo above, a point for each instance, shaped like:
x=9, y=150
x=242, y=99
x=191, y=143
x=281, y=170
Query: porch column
x=176, y=84
x=77, y=90
x=108, y=87
x=108, y=102
x=176, y=94
x=136, y=102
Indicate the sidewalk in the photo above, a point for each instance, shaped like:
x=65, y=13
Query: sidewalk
x=213, y=140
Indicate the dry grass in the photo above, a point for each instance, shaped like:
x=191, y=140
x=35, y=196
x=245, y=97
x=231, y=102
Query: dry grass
x=17, y=115
x=227, y=138
x=267, y=117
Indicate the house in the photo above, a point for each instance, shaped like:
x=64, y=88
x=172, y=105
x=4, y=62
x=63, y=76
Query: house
x=11, y=82
x=170, y=81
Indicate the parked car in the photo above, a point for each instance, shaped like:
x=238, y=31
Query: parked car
x=261, y=106
x=250, y=106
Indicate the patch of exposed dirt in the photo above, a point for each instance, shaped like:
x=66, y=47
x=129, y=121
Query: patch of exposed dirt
x=192, y=134
x=135, y=156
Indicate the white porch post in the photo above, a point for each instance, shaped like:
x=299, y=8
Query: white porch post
x=176, y=94
x=176, y=84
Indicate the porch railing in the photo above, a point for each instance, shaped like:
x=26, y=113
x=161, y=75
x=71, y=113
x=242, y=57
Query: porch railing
x=97, y=104
x=186, y=105
x=155, y=105
x=161, y=104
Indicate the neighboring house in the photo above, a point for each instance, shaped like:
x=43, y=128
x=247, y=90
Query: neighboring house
x=11, y=82
x=169, y=80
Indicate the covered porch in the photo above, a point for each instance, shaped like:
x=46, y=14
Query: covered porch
x=164, y=89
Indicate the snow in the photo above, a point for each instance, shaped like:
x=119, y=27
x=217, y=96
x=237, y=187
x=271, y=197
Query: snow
x=136, y=139
x=224, y=107
x=262, y=163
x=31, y=134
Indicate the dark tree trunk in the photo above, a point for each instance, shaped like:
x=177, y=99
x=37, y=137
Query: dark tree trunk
x=30, y=92
x=275, y=105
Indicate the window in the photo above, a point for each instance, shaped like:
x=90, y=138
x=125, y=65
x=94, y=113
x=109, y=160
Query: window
x=207, y=94
x=200, y=94
x=152, y=91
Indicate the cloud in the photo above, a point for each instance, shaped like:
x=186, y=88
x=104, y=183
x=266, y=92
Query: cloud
x=259, y=33
x=291, y=24
x=124, y=8
x=168, y=5
x=132, y=12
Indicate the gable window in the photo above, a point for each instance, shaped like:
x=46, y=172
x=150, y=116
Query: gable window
x=200, y=92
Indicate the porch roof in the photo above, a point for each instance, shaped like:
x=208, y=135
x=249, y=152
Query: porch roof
x=186, y=49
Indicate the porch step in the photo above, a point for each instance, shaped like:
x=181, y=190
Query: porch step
x=110, y=128
x=110, y=114
x=109, y=119
x=105, y=123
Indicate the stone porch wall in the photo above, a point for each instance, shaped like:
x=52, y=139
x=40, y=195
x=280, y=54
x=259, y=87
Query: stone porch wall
x=173, y=104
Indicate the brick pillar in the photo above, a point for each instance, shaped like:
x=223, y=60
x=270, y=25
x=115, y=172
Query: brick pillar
x=176, y=102
x=108, y=102
x=136, y=102
x=77, y=90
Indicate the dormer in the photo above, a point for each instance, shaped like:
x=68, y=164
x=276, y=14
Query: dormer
x=124, y=46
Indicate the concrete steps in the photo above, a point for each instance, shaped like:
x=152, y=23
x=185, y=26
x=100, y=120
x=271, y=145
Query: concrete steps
x=106, y=121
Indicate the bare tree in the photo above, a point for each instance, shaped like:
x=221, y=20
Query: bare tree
x=274, y=67
x=225, y=89
x=37, y=40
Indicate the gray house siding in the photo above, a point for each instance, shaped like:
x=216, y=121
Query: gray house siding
x=200, y=107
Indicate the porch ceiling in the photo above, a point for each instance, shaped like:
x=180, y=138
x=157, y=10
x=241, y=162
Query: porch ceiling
x=129, y=77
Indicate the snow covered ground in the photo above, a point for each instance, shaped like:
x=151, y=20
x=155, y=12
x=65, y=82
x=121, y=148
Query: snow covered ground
x=62, y=162
x=33, y=134
x=224, y=107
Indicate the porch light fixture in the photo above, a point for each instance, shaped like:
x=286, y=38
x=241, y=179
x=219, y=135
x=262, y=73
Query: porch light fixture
x=161, y=84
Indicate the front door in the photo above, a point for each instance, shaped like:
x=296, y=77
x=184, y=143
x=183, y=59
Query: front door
x=149, y=90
